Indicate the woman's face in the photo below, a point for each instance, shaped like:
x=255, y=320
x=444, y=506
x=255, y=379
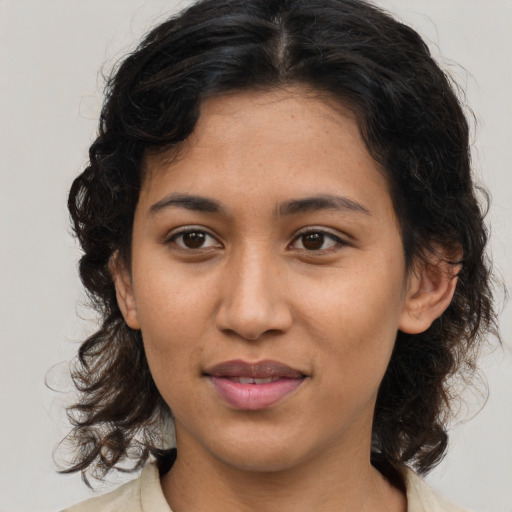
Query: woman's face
x=268, y=280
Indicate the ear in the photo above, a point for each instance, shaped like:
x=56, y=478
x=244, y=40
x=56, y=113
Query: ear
x=430, y=290
x=124, y=291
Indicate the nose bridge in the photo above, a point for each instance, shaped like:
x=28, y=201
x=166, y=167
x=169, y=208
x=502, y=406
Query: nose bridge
x=252, y=302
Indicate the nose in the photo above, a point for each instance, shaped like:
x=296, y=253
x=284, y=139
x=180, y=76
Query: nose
x=254, y=298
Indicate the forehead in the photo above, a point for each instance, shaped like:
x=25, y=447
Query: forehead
x=305, y=108
x=278, y=144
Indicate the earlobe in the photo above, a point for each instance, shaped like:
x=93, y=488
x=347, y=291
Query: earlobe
x=124, y=291
x=430, y=290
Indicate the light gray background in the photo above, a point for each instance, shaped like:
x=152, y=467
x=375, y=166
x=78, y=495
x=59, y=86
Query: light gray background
x=51, y=52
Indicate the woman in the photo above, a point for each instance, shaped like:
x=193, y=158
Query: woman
x=281, y=232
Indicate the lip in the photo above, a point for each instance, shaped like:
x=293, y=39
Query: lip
x=229, y=380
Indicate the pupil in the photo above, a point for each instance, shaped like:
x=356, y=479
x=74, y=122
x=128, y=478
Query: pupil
x=313, y=241
x=194, y=239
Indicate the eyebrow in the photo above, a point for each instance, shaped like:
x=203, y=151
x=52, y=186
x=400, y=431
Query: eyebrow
x=293, y=207
x=321, y=202
x=189, y=202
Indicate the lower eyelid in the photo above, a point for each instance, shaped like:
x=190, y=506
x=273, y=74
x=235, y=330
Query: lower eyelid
x=174, y=235
x=215, y=242
x=338, y=241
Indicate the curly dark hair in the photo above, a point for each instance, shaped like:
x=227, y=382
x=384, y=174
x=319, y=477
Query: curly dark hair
x=412, y=124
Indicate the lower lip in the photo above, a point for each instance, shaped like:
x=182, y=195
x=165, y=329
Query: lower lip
x=254, y=396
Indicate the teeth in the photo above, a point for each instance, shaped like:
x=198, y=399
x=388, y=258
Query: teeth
x=251, y=380
x=263, y=381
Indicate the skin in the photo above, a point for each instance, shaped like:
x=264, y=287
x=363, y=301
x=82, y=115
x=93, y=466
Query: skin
x=256, y=287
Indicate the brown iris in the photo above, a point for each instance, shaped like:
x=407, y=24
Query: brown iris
x=194, y=239
x=313, y=241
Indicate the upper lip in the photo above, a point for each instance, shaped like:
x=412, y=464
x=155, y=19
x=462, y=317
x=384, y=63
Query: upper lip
x=260, y=370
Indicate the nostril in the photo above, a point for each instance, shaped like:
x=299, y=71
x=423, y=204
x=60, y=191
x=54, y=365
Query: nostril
x=253, y=325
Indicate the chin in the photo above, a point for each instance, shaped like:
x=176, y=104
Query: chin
x=262, y=455
x=258, y=462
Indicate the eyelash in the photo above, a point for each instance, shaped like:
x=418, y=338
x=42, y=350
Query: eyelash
x=337, y=241
x=188, y=231
x=323, y=236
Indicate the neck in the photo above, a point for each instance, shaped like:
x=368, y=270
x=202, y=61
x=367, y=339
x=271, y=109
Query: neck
x=333, y=482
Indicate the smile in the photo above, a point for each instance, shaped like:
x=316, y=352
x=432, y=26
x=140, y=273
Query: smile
x=249, y=386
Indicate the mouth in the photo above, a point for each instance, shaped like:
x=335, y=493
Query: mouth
x=252, y=380
x=253, y=386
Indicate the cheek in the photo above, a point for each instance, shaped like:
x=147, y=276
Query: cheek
x=355, y=300
x=173, y=352
x=171, y=303
x=173, y=314
x=354, y=320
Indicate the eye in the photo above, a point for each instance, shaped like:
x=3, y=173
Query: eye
x=317, y=241
x=194, y=239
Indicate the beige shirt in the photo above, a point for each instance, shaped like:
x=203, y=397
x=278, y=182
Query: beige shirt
x=144, y=494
